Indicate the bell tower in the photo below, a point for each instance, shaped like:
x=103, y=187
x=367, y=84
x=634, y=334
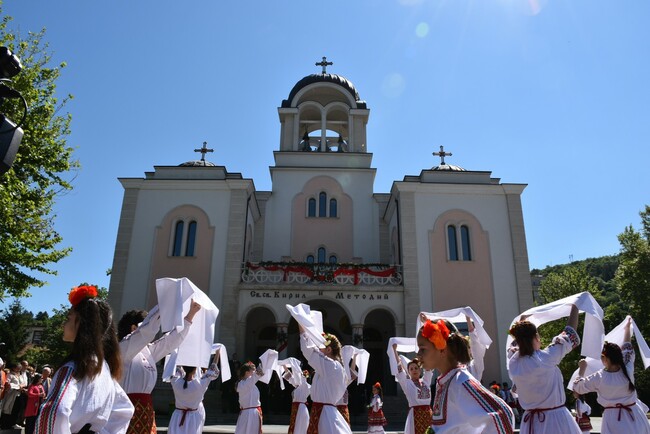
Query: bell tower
x=323, y=114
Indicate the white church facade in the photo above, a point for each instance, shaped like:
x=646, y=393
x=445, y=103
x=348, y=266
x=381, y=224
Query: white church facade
x=370, y=261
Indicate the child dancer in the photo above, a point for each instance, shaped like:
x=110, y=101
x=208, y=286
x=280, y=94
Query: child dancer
x=615, y=386
x=376, y=419
x=461, y=404
x=583, y=410
x=418, y=394
x=299, y=414
x=84, y=394
x=327, y=386
x=189, y=389
x=539, y=381
x=250, y=413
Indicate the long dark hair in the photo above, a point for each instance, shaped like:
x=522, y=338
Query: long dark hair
x=524, y=332
x=615, y=355
x=96, y=340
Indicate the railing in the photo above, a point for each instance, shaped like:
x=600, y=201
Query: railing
x=304, y=273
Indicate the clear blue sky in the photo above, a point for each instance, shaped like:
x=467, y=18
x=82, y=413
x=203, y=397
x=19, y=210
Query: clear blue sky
x=554, y=94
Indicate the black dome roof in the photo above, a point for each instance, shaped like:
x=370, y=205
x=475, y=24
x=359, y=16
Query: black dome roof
x=324, y=78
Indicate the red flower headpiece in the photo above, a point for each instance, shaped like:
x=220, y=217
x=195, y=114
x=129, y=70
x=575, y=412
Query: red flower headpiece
x=436, y=333
x=305, y=373
x=81, y=293
x=377, y=385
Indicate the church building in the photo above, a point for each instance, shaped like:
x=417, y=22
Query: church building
x=369, y=261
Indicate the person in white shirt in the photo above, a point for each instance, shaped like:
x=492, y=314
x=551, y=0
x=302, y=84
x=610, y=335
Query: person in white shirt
x=328, y=385
x=136, y=329
x=84, y=395
x=540, y=385
x=418, y=394
x=250, y=408
x=461, y=405
x=189, y=389
x=299, y=420
x=614, y=384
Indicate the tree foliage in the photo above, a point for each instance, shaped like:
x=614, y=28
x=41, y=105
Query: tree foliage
x=28, y=240
x=14, y=331
x=633, y=275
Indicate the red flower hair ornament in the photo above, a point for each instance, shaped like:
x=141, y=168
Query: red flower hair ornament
x=82, y=292
x=436, y=333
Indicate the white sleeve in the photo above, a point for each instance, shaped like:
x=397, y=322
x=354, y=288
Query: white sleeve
x=135, y=342
x=168, y=342
x=118, y=421
x=477, y=365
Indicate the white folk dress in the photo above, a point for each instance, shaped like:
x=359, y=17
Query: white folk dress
x=327, y=387
x=300, y=394
x=189, y=401
x=612, y=389
x=71, y=404
x=463, y=406
x=417, y=394
x=540, y=386
x=250, y=419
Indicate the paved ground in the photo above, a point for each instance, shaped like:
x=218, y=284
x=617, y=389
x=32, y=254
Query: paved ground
x=282, y=429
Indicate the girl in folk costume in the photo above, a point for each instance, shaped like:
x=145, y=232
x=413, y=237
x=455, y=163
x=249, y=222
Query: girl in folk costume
x=461, y=404
x=84, y=395
x=328, y=385
x=376, y=419
x=615, y=387
x=418, y=394
x=299, y=421
x=35, y=395
x=583, y=410
x=250, y=413
x=136, y=329
x=189, y=415
x=539, y=381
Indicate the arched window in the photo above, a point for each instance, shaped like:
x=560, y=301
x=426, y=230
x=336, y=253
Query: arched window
x=321, y=255
x=333, y=259
x=310, y=259
x=191, y=239
x=178, y=238
x=464, y=239
x=311, y=208
x=452, y=243
x=322, y=204
x=333, y=208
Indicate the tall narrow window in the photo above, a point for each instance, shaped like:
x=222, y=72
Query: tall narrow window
x=464, y=239
x=333, y=208
x=178, y=238
x=191, y=239
x=311, y=208
x=321, y=255
x=451, y=242
x=310, y=259
x=322, y=204
x=332, y=259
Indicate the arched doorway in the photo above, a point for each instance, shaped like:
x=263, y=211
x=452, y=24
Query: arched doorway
x=378, y=327
x=261, y=333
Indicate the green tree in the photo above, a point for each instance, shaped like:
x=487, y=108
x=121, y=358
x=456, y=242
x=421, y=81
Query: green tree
x=633, y=274
x=28, y=242
x=14, y=331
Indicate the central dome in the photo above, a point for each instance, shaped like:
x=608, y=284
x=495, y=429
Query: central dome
x=324, y=78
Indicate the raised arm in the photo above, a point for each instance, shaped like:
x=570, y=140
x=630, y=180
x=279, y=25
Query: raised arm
x=627, y=334
x=573, y=317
